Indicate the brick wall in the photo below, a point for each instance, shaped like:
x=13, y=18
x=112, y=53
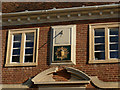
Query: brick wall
x=8, y=7
x=105, y=72
x=0, y=56
x=61, y=75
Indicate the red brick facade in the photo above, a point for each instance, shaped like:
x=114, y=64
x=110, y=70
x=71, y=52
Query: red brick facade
x=8, y=7
x=105, y=72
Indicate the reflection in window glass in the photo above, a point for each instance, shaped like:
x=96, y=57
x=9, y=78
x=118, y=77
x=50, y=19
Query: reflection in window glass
x=114, y=39
x=16, y=51
x=15, y=58
x=114, y=54
x=29, y=51
x=16, y=44
x=17, y=37
x=114, y=31
x=99, y=44
x=28, y=58
x=99, y=55
x=29, y=46
x=16, y=48
x=113, y=46
x=29, y=36
x=100, y=40
x=99, y=32
x=113, y=42
x=99, y=47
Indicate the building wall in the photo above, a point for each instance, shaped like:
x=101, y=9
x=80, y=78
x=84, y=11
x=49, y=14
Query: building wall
x=105, y=72
x=8, y=7
x=0, y=56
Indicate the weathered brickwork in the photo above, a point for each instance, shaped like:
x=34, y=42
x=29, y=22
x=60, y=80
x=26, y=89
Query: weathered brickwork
x=105, y=72
x=61, y=75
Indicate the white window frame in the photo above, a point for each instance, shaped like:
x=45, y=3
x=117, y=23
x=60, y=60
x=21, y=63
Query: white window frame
x=22, y=49
x=91, y=42
x=73, y=45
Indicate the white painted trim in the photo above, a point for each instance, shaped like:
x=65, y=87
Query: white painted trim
x=39, y=78
x=64, y=82
x=102, y=84
x=12, y=86
x=9, y=47
x=77, y=72
x=83, y=87
x=91, y=42
x=72, y=44
x=78, y=13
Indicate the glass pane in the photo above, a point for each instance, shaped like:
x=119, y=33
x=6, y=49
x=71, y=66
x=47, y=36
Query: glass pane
x=16, y=45
x=29, y=51
x=113, y=46
x=17, y=37
x=99, y=47
x=29, y=36
x=114, y=39
x=99, y=55
x=114, y=54
x=16, y=51
x=114, y=31
x=15, y=58
x=99, y=32
x=100, y=40
x=29, y=44
x=28, y=58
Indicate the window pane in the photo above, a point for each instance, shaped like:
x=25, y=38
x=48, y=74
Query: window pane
x=29, y=51
x=29, y=36
x=114, y=31
x=100, y=40
x=16, y=44
x=99, y=47
x=28, y=58
x=113, y=46
x=114, y=39
x=16, y=51
x=99, y=32
x=114, y=54
x=15, y=58
x=29, y=44
x=99, y=55
x=17, y=37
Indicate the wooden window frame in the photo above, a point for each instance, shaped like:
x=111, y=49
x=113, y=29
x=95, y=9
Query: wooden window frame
x=91, y=42
x=72, y=44
x=9, y=47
